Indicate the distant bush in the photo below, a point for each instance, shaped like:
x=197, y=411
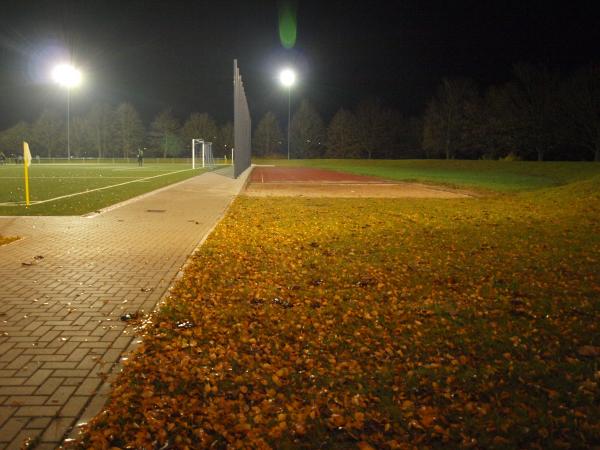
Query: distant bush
x=512, y=156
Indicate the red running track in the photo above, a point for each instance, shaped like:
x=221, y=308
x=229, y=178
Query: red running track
x=304, y=175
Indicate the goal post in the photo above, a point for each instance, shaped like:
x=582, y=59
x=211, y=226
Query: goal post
x=202, y=151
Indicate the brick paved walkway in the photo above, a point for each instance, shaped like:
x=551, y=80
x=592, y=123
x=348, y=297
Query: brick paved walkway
x=60, y=327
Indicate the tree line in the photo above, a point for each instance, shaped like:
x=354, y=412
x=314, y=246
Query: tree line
x=115, y=132
x=538, y=114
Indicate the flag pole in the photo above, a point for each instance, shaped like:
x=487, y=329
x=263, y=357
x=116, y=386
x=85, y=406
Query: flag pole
x=26, y=159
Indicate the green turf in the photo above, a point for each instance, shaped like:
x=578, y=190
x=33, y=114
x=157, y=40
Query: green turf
x=56, y=180
x=497, y=176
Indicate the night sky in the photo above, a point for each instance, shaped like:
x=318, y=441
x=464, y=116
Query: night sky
x=179, y=54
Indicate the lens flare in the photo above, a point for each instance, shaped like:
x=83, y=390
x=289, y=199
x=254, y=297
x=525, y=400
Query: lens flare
x=287, y=24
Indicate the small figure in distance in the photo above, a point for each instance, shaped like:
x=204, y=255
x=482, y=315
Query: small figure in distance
x=2, y=158
x=140, y=157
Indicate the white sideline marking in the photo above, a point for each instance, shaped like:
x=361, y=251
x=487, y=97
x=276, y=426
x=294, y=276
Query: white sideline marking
x=39, y=202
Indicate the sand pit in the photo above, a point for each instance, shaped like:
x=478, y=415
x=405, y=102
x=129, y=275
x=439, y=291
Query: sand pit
x=305, y=182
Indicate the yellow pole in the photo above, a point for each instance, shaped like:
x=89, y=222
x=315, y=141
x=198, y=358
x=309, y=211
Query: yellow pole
x=25, y=165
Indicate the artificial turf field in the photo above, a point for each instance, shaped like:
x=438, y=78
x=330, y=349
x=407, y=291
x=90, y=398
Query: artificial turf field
x=77, y=188
x=380, y=323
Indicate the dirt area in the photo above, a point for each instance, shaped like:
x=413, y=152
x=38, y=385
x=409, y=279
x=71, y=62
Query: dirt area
x=304, y=182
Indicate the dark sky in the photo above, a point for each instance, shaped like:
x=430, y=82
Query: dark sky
x=179, y=53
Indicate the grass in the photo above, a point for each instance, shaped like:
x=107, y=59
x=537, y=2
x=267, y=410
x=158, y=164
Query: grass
x=49, y=181
x=496, y=176
x=377, y=323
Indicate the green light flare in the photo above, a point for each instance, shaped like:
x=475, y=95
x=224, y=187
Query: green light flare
x=287, y=24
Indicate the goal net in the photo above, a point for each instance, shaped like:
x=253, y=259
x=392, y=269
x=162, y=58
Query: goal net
x=202, y=154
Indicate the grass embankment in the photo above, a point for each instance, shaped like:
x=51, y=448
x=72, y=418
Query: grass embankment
x=51, y=181
x=353, y=323
x=490, y=176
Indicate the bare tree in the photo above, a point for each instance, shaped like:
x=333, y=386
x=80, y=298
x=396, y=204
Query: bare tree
x=267, y=136
x=581, y=98
x=534, y=103
x=342, y=136
x=129, y=129
x=449, y=118
x=165, y=129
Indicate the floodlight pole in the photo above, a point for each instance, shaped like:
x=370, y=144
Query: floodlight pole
x=68, y=124
x=289, y=109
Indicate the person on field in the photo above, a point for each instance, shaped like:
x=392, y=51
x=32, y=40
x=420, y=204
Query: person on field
x=2, y=158
x=140, y=157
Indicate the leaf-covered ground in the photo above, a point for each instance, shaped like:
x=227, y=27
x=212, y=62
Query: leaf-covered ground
x=353, y=323
x=7, y=239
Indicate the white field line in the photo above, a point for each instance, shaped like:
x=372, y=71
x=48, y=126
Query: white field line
x=64, y=178
x=39, y=202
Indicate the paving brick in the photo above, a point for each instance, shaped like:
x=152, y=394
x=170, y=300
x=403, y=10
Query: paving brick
x=73, y=381
x=58, y=428
x=12, y=427
x=10, y=355
x=89, y=386
x=60, y=365
x=74, y=406
x=61, y=395
x=71, y=373
x=39, y=422
x=78, y=354
x=98, y=267
x=36, y=411
x=6, y=412
x=67, y=349
x=24, y=436
x=50, y=358
x=26, y=400
x=49, y=386
x=17, y=390
x=19, y=362
x=37, y=378
x=12, y=381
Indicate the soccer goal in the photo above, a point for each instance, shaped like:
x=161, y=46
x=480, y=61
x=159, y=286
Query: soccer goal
x=202, y=151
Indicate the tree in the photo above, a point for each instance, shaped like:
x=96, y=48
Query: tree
x=267, y=136
x=342, y=136
x=101, y=128
x=581, y=99
x=11, y=139
x=494, y=126
x=449, y=118
x=49, y=132
x=129, y=129
x=81, y=137
x=200, y=126
x=307, y=132
x=534, y=104
x=374, y=132
x=165, y=129
x=225, y=141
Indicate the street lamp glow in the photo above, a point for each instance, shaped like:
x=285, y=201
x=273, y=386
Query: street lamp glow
x=66, y=75
x=287, y=77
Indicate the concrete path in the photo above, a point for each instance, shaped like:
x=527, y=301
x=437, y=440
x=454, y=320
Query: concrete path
x=64, y=287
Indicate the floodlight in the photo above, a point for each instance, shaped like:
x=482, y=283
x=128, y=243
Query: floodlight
x=66, y=75
x=287, y=77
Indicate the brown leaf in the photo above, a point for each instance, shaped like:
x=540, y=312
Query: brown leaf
x=589, y=350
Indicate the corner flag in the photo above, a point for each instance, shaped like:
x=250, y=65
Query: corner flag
x=26, y=163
